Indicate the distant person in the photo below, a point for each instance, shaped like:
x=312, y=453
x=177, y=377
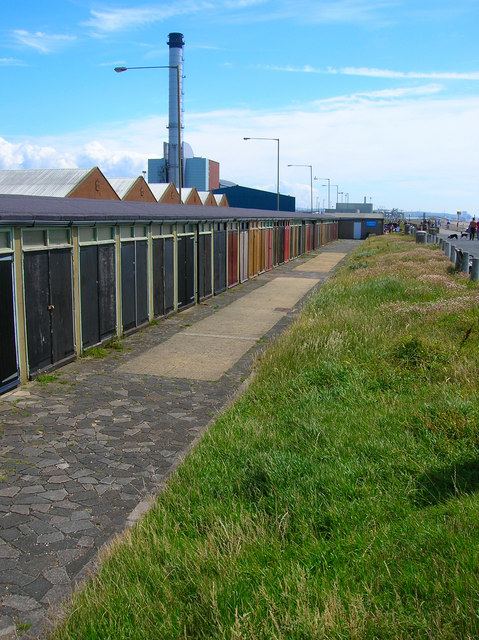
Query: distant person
x=448, y=224
x=477, y=229
x=472, y=229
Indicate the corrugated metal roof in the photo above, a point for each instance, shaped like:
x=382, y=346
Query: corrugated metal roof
x=122, y=185
x=41, y=182
x=158, y=188
x=186, y=192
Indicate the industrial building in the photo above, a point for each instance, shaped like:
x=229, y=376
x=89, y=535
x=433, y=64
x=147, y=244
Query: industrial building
x=198, y=172
x=245, y=197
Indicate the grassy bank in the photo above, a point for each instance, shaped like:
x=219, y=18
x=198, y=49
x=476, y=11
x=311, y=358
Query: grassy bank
x=338, y=497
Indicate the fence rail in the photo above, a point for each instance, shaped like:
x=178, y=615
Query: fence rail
x=463, y=260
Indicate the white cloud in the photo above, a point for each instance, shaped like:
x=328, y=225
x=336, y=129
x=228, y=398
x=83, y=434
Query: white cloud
x=43, y=42
x=120, y=19
x=408, y=154
x=411, y=153
x=358, y=12
x=379, y=73
x=113, y=19
x=379, y=95
x=110, y=20
x=386, y=73
x=241, y=4
x=349, y=11
x=32, y=156
x=11, y=62
x=37, y=156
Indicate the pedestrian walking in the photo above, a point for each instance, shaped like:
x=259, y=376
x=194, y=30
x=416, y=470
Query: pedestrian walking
x=472, y=229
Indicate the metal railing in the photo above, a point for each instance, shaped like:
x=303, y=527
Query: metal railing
x=462, y=260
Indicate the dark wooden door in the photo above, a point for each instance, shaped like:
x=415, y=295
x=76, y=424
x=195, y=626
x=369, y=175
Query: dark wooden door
x=204, y=266
x=49, y=307
x=186, y=271
x=8, y=348
x=141, y=274
x=220, y=261
x=128, y=281
x=169, y=273
x=107, y=290
x=90, y=314
x=98, y=294
x=61, y=313
x=37, y=301
x=232, y=258
x=158, y=277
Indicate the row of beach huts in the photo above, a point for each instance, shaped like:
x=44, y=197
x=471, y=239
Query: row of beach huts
x=76, y=271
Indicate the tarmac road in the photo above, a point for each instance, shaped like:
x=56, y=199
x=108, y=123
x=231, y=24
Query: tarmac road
x=472, y=246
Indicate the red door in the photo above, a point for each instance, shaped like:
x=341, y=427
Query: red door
x=269, y=249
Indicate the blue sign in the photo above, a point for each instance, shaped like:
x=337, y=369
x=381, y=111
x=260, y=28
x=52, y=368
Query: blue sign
x=371, y=223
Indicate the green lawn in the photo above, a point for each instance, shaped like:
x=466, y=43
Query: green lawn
x=337, y=498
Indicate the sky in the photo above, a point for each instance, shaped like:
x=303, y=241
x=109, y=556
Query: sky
x=378, y=98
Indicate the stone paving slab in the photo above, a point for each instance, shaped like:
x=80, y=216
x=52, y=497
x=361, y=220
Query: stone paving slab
x=213, y=345
x=324, y=262
x=82, y=456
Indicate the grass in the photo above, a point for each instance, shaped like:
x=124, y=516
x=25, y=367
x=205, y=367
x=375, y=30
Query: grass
x=45, y=378
x=99, y=352
x=337, y=498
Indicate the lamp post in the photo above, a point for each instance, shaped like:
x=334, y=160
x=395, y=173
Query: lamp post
x=277, y=167
x=178, y=98
x=311, y=178
x=329, y=190
x=337, y=191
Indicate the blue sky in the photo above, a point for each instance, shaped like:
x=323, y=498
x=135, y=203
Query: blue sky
x=380, y=96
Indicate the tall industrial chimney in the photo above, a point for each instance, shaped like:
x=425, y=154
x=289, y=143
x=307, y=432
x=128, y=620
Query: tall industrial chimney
x=175, y=43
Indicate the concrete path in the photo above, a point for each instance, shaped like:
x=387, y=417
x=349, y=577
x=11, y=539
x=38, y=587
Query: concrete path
x=81, y=456
x=213, y=345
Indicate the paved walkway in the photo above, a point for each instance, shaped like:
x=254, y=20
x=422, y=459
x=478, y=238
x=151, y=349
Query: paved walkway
x=463, y=243
x=80, y=456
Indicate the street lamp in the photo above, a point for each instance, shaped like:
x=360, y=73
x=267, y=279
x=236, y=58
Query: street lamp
x=329, y=190
x=178, y=98
x=277, y=169
x=337, y=191
x=311, y=178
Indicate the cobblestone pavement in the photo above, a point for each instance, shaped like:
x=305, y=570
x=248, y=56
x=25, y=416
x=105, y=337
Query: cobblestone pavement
x=81, y=454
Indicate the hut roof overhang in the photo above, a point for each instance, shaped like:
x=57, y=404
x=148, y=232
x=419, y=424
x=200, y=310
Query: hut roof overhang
x=44, y=211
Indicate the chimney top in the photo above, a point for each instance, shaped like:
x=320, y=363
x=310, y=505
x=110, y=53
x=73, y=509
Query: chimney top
x=176, y=40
